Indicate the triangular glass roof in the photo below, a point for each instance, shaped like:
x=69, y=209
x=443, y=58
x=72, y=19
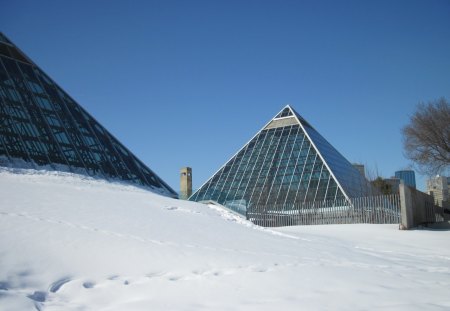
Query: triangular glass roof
x=286, y=163
x=42, y=125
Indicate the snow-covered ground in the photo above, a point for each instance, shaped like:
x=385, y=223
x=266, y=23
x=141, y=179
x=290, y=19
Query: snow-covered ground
x=69, y=242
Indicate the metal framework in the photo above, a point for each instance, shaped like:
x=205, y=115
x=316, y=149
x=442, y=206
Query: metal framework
x=287, y=163
x=43, y=125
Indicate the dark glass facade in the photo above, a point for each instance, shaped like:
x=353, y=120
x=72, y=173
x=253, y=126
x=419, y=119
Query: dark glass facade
x=43, y=125
x=285, y=164
x=408, y=177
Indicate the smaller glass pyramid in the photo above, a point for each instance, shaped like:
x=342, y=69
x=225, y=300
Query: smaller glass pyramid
x=285, y=164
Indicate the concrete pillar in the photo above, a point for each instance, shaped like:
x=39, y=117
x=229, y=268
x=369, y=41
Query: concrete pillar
x=185, y=183
x=406, y=208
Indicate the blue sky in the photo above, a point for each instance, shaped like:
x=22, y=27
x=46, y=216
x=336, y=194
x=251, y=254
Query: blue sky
x=187, y=83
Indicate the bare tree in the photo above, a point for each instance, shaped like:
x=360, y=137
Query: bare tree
x=426, y=139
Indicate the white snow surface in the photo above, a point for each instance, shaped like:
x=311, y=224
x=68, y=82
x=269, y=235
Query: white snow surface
x=70, y=242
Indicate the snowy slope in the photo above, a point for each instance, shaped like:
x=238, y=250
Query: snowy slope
x=69, y=242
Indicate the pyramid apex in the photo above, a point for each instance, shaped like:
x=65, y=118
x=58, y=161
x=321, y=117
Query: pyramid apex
x=287, y=111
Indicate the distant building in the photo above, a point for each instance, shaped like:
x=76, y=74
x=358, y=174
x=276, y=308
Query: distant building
x=438, y=187
x=360, y=168
x=407, y=176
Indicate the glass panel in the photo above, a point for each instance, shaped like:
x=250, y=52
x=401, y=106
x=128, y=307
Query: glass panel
x=349, y=177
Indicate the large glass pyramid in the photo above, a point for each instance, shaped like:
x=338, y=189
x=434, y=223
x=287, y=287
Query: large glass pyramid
x=286, y=166
x=42, y=125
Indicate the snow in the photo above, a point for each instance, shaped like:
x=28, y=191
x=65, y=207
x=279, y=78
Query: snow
x=71, y=242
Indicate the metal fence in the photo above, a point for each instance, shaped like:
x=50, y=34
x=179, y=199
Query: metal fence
x=382, y=209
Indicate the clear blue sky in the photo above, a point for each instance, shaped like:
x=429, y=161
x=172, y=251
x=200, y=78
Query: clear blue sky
x=187, y=83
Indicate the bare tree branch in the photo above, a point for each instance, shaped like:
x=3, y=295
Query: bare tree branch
x=426, y=139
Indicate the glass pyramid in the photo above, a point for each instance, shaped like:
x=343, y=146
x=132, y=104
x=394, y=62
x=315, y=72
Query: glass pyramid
x=286, y=164
x=41, y=124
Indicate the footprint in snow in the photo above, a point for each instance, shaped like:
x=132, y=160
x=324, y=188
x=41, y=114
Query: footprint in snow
x=4, y=285
x=38, y=296
x=174, y=278
x=55, y=286
x=155, y=274
x=171, y=208
x=88, y=285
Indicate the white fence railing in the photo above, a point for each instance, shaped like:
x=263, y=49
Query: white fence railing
x=382, y=209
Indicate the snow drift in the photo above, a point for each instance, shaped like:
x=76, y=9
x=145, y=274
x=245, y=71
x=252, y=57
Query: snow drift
x=70, y=242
